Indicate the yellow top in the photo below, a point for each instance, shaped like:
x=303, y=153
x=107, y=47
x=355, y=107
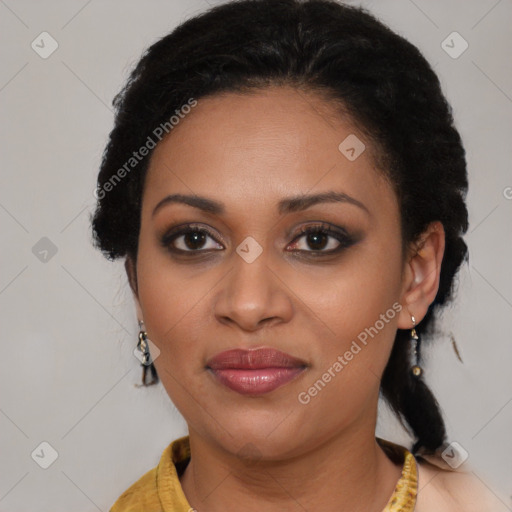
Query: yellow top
x=159, y=490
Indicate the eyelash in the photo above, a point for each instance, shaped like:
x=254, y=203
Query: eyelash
x=344, y=239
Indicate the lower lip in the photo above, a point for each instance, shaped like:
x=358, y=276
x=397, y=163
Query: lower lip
x=258, y=381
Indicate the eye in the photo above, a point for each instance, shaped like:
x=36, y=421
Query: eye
x=322, y=239
x=190, y=238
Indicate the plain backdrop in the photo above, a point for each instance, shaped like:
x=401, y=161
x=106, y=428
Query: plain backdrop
x=68, y=324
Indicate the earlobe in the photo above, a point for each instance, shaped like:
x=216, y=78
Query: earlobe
x=422, y=276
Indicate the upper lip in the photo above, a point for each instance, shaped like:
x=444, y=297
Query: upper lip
x=253, y=359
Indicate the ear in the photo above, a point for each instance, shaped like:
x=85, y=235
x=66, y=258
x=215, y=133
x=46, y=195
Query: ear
x=421, y=275
x=131, y=271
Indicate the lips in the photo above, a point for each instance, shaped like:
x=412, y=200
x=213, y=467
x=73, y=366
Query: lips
x=256, y=371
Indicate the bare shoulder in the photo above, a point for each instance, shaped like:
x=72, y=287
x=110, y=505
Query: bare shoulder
x=441, y=490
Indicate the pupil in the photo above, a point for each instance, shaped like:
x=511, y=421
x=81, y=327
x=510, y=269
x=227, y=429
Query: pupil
x=197, y=237
x=314, y=243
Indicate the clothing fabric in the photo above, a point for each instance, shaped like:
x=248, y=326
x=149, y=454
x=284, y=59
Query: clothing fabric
x=159, y=490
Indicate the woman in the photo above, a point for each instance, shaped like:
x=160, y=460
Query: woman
x=286, y=185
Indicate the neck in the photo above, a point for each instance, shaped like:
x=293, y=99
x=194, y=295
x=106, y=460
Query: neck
x=349, y=472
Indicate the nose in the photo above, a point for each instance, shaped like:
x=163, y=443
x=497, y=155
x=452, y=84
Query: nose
x=253, y=295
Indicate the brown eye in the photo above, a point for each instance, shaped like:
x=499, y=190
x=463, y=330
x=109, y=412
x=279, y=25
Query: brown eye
x=318, y=241
x=322, y=239
x=190, y=239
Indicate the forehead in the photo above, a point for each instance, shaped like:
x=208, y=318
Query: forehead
x=249, y=150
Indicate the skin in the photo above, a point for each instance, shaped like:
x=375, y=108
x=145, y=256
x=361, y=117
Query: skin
x=249, y=152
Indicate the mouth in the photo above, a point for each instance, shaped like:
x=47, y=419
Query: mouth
x=255, y=372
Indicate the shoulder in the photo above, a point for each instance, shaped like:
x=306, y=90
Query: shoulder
x=159, y=488
x=143, y=492
x=443, y=490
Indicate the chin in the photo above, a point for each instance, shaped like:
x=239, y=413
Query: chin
x=258, y=437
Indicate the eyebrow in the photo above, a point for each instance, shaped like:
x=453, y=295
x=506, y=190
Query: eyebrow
x=287, y=205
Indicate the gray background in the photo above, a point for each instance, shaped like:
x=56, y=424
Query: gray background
x=68, y=324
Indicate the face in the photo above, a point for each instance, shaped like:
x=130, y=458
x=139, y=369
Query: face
x=320, y=281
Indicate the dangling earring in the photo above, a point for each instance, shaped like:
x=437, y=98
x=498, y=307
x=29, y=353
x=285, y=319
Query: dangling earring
x=415, y=341
x=145, y=356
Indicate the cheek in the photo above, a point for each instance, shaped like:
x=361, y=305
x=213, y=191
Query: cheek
x=164, y=297
x=346, y=298
x=355, y=305
x=173, y=309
